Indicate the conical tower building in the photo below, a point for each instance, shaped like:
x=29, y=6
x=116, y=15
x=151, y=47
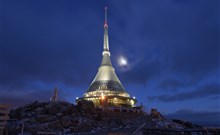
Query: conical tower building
x=106, y=89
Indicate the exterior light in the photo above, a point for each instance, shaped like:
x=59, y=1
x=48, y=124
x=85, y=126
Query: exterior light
x=132, y=102
x=77, y=97
x=133, y=97
x=103, y=97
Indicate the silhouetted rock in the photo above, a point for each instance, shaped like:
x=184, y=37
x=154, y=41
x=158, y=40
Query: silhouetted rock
x=85, y=127
x=186, y=124
x=156, y=114
x=64, y=117
x=66, y=121
x=45, y=118
x=56, y=125
x=86, y=106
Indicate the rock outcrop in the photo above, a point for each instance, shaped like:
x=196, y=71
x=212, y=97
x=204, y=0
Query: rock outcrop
x=67, y=118
x=50, y=116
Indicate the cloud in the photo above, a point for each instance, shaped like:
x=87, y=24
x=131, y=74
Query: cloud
x=18, y=98
x=171, y=84
x=59, y=48
x=142, y=71
x=184, y=33
x=49, y=47
x=184, y=111
x=61, y=43
x=202, y=92
x=205, y=118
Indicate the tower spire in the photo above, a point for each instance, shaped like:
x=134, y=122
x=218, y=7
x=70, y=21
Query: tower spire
x=106, y=21
x=106, y=45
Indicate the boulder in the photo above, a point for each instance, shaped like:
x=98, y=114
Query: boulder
x=28, y=121
x=53, y=108
x=69, y=109
x=66, y=121
x=31, y=107
x=85, y=127
x=36, y=128
x=45, y=118
x=59, y=115
x=75, y=120
x=55, y=125
x=85, y=106
x=39, y=110
x=12, y=128
x=16, y=113
x=156, y=114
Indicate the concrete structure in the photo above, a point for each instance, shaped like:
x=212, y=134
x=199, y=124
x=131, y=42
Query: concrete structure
x=106, y=89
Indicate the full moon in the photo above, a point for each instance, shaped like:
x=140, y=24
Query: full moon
x=122, y=61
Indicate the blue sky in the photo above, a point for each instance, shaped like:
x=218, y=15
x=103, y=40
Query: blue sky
x=172, y=48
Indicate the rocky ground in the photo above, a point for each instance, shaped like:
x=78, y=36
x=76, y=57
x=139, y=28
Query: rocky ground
x=84, y=118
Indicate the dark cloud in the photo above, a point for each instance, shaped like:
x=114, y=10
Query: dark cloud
x=202, y=92
x=184, y=111
x=143, y=71
x=198, y=52
x=183, y=34
x=48, y=47
x=207, y=118
x=18, y=98
x=171, y=84
x=189, y=37
x=172, y=44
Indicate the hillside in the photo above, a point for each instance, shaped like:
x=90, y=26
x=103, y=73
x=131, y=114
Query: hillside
x=67, y=118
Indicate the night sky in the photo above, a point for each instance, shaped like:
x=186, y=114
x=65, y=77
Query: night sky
x=172, y=49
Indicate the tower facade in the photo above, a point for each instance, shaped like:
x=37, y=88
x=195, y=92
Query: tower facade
x=106, y=89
